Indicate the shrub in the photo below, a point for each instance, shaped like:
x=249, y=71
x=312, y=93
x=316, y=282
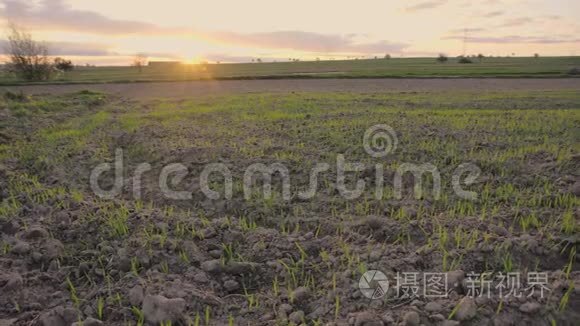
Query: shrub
x=464, y=60
x=63, y=64
x=574, y=71
x=28, y=58
x=442, y=58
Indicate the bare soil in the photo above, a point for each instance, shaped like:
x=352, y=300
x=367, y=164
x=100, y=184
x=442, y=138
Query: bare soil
x=198, y=88
x=67, y=255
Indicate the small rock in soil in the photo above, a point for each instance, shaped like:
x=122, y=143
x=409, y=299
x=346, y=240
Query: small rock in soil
x=576, y=189
x=388, y=319
x=530, y=307
x=297, y=317
x=284, y=310
x=20, y=248
x=411, y=318
x=158, y=309
x=136, y=295
x=53, y=249
x=433, y=307
x=212, y=266
x=231, y=285
x=301, y=294
x=467, y=309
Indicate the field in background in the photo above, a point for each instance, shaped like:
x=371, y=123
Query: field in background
x=369, y=68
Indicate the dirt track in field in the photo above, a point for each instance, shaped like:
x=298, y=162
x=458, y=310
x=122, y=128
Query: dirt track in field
x=200, y=88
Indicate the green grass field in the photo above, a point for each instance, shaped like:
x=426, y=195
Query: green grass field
x=370, y=68
x=301, y=254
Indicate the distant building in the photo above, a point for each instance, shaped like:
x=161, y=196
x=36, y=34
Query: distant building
x=164, y=63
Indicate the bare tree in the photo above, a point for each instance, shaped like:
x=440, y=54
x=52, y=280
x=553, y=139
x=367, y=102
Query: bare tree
x=442, y=58
x=63, y=65
x=139, y=61
x=28, y=58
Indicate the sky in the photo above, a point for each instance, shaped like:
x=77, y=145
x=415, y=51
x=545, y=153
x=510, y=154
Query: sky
x=112, y=32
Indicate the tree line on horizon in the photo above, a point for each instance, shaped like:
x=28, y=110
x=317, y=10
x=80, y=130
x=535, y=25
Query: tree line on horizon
x=30, y=59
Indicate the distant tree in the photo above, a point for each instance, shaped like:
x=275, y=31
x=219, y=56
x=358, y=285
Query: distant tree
x=442, y=58
x=259, y=60
x=536, y=55
x=480, y=57
x=387, y=56
x=139, y=61
x=28, y=58
x=574, y=71
x=63, y=64
x=464, y=60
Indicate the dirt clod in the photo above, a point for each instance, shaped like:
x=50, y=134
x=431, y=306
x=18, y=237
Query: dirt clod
x=35, y=232
x=530, y=307
x=297, y=317
x=411, y=318
x=301, y=294
x=136, y=295
x=11, y=282
x=433, y=307
x=158, y=309
x=21, y=248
